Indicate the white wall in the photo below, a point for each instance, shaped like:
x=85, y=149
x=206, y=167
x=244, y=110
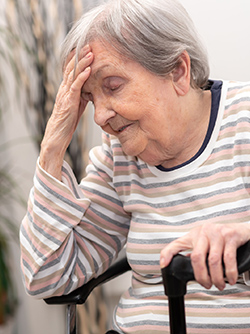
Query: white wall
x=224, y=26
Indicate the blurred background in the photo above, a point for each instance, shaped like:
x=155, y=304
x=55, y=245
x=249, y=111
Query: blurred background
x=31, y=32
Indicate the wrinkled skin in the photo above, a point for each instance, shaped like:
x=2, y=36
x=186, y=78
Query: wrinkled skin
x=220, y=241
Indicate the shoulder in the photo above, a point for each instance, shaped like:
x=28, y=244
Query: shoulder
x=237, y=90
x=237, y=98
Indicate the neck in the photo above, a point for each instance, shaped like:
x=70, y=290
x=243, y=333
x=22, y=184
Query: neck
x=193, y=128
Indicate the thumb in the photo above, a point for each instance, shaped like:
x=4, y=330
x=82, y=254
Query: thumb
x=173, y=248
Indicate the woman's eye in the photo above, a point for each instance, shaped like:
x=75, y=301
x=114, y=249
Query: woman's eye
x=113, y=83
x=113, y=88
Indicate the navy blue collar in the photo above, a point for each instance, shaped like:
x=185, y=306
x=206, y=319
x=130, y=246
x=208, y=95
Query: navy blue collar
x=215, y=88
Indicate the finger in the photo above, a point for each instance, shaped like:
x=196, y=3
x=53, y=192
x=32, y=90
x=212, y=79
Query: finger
x=71, y=67
x=230, y=262
x=70, y=61
x=198, y=259
x=80, y=67
x=67, y=61
x=82, y=64
x=215, y=261
x=69, y=101
x=235, y=236
x=76, y=86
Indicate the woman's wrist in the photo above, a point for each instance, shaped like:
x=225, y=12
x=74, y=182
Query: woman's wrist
x=51, y=162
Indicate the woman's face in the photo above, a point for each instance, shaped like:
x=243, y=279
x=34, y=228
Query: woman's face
x=133, y=104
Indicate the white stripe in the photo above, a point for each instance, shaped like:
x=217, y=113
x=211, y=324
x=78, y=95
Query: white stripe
x=228, y=319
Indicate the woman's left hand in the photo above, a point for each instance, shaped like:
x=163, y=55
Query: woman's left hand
x=217, y=241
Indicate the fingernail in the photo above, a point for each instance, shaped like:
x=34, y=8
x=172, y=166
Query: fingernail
x=88, y=55
x=86, y=47
x=232, y=280
x=87, y=69
x=221, y=287
x=207, y=286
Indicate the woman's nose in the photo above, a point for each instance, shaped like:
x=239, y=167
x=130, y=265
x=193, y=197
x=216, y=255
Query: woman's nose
x=103, y=114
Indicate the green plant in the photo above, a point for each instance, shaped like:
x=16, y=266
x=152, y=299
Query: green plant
x=8, y=299
x=9, y=192
x=8, y=231
x=10, y=196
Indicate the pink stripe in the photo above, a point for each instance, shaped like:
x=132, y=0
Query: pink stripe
x=230, y=312
x=38, y=244
x=145, y=308
x=151, y=328
x=144, y=246
x=65, y=194
x=106, y=224
x=54, y=279
x=219, y=155
x=235, y=129
x=60, y=214
x=148, y=268
x=105, y=238
x=244, y=104
x=219, y=331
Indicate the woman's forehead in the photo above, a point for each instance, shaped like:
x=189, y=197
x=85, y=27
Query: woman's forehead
x=106, y=58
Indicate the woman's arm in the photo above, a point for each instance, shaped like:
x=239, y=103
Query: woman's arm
x=68, y=109
x=68, y=235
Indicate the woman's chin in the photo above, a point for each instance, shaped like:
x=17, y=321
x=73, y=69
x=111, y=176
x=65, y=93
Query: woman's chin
x=134, y=147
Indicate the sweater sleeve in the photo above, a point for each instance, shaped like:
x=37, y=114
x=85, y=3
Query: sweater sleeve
x=71, y=233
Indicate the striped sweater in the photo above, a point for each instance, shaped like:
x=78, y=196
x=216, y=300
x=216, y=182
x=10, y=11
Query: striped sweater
x=72, y=232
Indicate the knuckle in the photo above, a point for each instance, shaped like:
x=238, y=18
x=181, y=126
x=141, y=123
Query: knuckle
x=229, y=257
x=195, y=258
x=214, y=259
x=66, y=72
x=206, y=228
x=229, y=233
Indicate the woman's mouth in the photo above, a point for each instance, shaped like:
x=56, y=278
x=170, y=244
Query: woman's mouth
x=123, y=128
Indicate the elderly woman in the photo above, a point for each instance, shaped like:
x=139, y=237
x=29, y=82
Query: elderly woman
x=172, y=173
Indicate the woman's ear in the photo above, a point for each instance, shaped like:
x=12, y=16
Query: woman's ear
x=181, y=74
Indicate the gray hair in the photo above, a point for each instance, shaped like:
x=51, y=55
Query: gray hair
x=153, y=33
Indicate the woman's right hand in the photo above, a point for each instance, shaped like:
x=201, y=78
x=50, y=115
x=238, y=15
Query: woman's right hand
x=68, y=109
x=216, y=243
